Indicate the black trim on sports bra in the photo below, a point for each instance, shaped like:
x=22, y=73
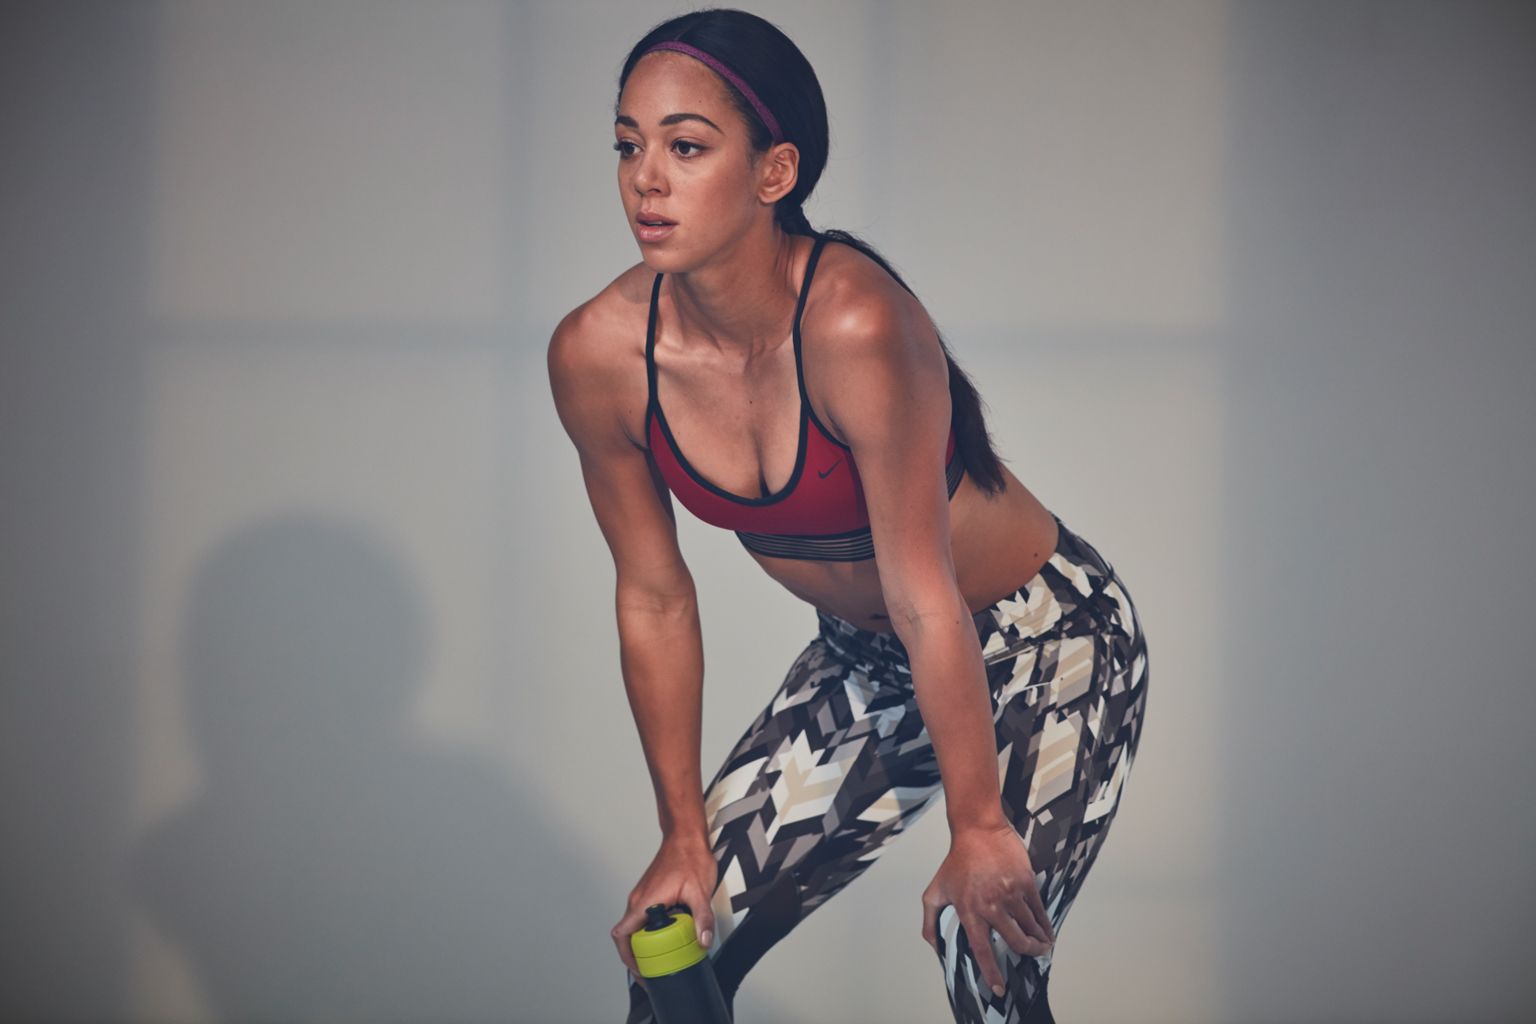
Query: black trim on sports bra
x=851, y=546
x=653, y=405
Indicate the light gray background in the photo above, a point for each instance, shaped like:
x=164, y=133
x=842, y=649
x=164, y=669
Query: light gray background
x=311, y=696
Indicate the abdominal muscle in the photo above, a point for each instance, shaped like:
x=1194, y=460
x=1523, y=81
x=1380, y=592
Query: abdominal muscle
x=998, y=542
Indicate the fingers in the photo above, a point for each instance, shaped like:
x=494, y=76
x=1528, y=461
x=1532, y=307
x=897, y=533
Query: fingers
x=1018, y=929
x=931, y=922
x=620, y=934
x=631, y=922
x=1036, y=908
x=703, y=916
x=1020, y=940
x=1020, y=913
x=979, y=933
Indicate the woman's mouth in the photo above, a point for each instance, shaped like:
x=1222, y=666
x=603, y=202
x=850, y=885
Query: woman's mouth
x=653, y=228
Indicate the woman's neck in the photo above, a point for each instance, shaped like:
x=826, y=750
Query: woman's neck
x=743, y=303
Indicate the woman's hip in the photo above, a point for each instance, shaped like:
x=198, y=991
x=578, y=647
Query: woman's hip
x=1075, y=590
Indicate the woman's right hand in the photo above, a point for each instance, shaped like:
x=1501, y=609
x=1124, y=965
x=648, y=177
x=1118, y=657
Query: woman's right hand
x=683, y=871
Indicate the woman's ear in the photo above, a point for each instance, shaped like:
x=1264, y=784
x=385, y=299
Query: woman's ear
x=778, y=171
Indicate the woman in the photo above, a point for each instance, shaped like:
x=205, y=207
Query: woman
x=784, y=383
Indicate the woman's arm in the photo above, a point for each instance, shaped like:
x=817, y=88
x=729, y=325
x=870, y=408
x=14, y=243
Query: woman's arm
x=662, y=659
x=884, y=380
x=661, y=650
x=887, y=389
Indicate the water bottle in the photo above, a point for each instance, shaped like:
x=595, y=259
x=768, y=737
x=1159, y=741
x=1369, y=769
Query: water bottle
x=679, y=977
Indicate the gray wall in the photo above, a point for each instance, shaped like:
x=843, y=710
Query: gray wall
x=311, y=697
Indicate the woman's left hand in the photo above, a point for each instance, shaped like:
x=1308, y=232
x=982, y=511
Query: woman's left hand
x=988, y=878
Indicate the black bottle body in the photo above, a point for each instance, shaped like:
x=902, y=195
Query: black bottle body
x=679, y=977
x=691, y=996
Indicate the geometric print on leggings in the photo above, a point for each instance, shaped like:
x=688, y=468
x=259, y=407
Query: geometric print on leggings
x=1069, y=714
x=839, y=763
x=834, y=767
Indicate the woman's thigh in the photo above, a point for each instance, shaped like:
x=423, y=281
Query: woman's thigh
x=834, y=767
x=1068, y=706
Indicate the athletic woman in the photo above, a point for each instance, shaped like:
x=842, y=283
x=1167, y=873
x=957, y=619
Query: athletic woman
x=784, y=383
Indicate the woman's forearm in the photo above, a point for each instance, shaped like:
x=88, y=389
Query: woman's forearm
x=661, y=655
x=949, y=678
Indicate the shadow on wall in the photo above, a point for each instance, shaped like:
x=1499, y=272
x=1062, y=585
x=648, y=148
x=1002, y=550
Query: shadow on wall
x=335, y=866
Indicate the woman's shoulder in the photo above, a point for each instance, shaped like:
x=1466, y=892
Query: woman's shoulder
x=853, y=297
x=856, y=316
x=597, y=353
x=603, y=327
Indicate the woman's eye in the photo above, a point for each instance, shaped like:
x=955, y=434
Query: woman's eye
x=694, y=148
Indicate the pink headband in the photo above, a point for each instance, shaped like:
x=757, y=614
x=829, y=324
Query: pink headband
x=730, y=76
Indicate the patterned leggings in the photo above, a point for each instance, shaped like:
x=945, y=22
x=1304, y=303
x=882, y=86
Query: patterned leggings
x=839, y=763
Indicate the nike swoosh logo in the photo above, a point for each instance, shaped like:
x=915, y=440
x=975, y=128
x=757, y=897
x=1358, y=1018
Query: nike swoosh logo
x=823, y=474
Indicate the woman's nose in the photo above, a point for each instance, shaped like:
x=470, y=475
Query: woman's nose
x=648, y=175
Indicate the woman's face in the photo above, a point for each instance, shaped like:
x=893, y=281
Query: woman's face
x=695, y=171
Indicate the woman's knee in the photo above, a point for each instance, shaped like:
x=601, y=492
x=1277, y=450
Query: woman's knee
x=970, y=999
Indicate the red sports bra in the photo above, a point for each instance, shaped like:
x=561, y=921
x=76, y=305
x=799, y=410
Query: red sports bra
x=820, y=514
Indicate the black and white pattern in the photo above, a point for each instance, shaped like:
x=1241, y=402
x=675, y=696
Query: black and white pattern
x=839, y=763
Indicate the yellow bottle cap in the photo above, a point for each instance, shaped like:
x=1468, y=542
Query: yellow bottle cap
x=666, y=947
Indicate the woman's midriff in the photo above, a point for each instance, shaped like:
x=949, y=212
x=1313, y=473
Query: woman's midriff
x=998, y=542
